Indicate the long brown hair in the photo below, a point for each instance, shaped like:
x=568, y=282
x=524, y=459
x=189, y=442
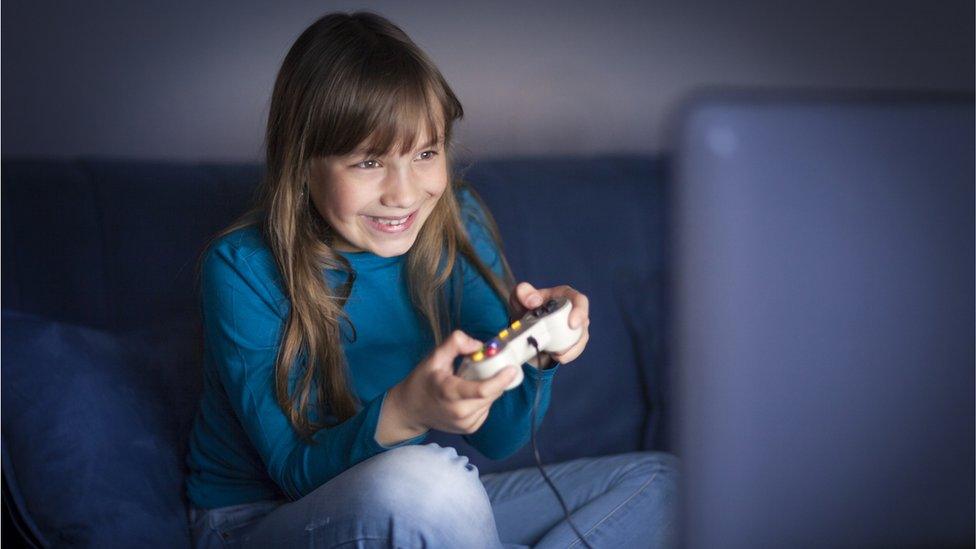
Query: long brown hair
x=349, y=78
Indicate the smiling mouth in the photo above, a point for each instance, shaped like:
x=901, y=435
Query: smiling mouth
x=386, y=218
x=391, y=225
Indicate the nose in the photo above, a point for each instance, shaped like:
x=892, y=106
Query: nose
x=401, y=189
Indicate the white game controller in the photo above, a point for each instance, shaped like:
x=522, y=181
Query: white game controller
x=548, y=324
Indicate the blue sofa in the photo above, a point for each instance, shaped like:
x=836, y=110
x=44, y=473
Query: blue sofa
x=100, y=328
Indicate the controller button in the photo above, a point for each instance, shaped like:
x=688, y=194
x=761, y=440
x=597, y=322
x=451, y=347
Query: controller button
x=493, y=344
x=550, y=305
x=517, y=324
x=492, y=351
x=478, y=356
x=503, y=334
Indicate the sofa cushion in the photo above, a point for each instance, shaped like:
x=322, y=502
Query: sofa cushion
x=596, y=223
x=91, y=441
x=112, y=243
x=53, y=254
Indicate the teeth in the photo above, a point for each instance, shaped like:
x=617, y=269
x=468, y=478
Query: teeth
x=392, y=223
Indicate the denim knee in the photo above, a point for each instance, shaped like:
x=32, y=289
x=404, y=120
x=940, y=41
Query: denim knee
x=658, y=472
x=427, y=475
x=432, y=486
x=661, y=462
x=659, y=467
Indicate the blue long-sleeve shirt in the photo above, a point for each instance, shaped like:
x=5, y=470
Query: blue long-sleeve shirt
x=242, y=447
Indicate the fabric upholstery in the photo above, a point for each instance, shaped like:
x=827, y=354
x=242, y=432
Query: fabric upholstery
x=101, y=314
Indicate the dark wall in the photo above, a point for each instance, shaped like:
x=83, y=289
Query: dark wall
x=192, y=80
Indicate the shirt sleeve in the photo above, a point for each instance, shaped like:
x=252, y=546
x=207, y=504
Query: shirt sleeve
x=482, y=315
x=242, y=325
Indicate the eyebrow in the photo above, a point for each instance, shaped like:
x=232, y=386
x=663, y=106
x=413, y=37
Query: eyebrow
x=433, y=142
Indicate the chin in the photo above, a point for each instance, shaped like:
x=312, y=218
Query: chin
x=392, y=250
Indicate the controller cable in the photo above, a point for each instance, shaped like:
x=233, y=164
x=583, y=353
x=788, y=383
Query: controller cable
x=538, y=461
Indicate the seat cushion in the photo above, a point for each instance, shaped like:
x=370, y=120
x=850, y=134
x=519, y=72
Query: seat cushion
x=91, y=445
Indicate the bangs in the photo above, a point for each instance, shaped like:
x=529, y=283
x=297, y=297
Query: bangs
x=390, y=105
x=402, y=123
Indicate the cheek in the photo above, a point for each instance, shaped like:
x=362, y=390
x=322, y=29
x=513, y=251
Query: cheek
x=438, y=183
x=344, y=203
x=437, y=190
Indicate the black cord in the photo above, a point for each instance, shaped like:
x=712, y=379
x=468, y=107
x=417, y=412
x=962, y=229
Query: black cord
x=538, y=461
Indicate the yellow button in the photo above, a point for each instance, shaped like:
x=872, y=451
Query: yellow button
x=503, y=334
x=478, y=356
x=516, y=325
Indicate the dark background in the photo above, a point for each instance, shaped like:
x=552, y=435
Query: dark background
x=192, y=80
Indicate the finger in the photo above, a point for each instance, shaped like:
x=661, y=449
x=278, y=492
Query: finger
x=525, y=296
x=473, y=408
x=489, y=388
x=455, y=344
x=480, y=420
x=576, y=350
x=581, y=309
x=486, y=389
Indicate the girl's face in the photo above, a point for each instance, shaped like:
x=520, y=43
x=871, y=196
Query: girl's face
x=379, y=204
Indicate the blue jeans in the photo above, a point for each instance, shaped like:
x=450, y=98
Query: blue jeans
x=429, y=496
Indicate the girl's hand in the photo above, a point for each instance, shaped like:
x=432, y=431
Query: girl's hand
x=433, y=397
x=525, y=298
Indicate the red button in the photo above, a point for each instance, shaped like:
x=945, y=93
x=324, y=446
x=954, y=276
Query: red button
x=491, y=351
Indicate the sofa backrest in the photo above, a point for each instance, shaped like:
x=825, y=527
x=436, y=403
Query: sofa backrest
x=114, y=245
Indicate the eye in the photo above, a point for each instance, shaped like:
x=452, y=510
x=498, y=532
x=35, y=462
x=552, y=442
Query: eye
x=371, y=163
x=366, y=164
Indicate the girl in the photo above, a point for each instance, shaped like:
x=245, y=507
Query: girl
x=333, y=313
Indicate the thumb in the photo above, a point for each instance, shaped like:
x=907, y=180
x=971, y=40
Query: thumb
x=495, y=385
x=524, y=297
x=457, y=343
x=490, y=388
